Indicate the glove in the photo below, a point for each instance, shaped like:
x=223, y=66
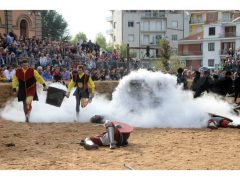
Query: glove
x=45, y=87
x=67, y=94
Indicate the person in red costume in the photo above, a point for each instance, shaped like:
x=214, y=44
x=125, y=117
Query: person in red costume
x=116, y=134
x=25, y=79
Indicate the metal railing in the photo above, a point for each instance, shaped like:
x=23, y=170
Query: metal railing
x=230, y=34
x=197, y=21
x=190, y=53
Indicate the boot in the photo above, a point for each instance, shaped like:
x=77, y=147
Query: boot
x=112, y=142
x=113, y=145
x=77, y=117
x=27, y=117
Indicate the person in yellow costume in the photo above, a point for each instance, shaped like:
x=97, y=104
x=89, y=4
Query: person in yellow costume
x=25, y=79
x=85, y=88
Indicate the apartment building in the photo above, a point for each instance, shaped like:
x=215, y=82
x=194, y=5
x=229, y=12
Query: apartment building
x=198, y=18
x=142, y=28
x=211, y=35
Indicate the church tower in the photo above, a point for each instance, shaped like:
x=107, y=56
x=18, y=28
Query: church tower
x=24, y=23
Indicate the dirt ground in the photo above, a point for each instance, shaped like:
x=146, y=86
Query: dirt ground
x=54, y=146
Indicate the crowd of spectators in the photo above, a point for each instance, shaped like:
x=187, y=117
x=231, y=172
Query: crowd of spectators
x=55, y=60
x=50, y=57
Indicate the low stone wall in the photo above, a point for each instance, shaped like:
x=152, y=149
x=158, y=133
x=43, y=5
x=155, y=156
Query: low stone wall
x=5, y=93
x=102, y=87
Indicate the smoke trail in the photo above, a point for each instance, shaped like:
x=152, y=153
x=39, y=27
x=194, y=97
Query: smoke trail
x=142, y=99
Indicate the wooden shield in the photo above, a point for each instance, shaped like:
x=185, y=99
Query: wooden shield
x=123, y=127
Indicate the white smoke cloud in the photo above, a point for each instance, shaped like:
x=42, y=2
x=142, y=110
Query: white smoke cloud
x=142, y=99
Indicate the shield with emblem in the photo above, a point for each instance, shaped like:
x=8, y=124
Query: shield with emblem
x=123, y=127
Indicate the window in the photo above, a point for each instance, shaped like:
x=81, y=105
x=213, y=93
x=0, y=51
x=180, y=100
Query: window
x=211, y=31
x=211, y=63
x=153, y=40
x=130, y=24
x=146, y=26
x=155, y=13
x=147, y=13
x=152, y=26
x=130, y=37
x=114, y=25
x=146, y=39
x=225, y=17
x=172, y=11
x=174, y=37
x=211, y=46
x=174, y=24
x=161, y=13
x=158, y=26
x=211, y=17
x=199, y=19
x=114, y=38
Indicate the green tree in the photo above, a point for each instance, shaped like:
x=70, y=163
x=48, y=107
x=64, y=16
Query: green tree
x=101, y=40
x=122, y=48
x=53, y=25
x=109, y=48
x=174, y=64
x=165, y=53
x=79, y=36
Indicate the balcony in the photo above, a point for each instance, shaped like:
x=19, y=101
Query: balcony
x=151, y=15
x=230, y=34
x=109, y=19
x=190, y=53
x=197, y=21
x=224, y=52
x=225, y=20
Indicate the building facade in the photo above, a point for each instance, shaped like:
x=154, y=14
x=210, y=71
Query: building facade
x=212, y=34
x=199, y=18
x=141, y=28
x=25, y=23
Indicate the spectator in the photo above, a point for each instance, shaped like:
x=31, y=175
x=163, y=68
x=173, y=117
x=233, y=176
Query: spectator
x=57, y=77
x=40, y=70
x=205, y=84
x=181, y=78
x=224, y=85
x=65, y=74
x=47, y=76
x=7, y=74
x=196, y=79
x=236, y=87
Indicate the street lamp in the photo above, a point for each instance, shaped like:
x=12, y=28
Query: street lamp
x=139, y=25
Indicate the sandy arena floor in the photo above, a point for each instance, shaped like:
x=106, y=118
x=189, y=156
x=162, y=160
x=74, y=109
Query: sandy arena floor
x=54, y=146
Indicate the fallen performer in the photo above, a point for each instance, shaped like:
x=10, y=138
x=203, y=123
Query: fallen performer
x=116, y=134
x=217, y=121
